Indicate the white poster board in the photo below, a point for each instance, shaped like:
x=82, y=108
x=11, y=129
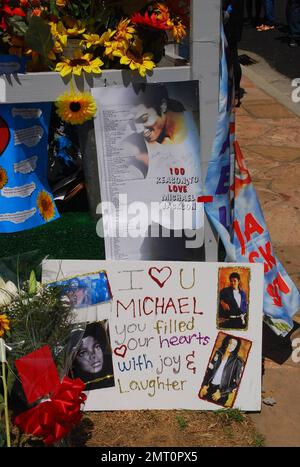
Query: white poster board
x=170, y=346
x=148, y=147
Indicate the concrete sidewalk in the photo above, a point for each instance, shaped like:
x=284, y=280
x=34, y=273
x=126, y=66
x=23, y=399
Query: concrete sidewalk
x=269, y=135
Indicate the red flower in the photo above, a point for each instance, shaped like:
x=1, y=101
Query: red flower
x=13, y=11
x=6, y=10
x=151, y=21
x=55, y=417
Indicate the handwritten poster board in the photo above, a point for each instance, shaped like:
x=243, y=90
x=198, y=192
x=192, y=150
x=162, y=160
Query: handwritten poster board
x=148, y=146
x=161, y=341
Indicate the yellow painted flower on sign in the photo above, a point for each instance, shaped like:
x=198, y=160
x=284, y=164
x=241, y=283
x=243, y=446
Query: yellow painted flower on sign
x=3, y=178
x=45, y=205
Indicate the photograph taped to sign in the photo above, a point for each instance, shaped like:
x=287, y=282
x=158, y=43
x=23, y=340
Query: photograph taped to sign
x=91, y=355
x=233, y=290
x=85, y=290
x=164, y=338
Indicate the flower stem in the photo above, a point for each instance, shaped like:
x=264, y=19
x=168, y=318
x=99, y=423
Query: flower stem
x=7, y=430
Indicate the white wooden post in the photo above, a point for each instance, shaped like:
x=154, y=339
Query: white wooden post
x=205, y=65
x=205, y=61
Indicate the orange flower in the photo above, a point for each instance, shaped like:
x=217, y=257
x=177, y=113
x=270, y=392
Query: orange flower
x=178, y=31
x=61, y=3
x=45, y=205
x=36, y=12
x=151, y=21
x=3, y=178
x=4, y=324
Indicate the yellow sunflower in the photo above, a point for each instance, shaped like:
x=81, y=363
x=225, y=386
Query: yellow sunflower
x=45, y=205
x=59, y=32
x=76, y=108
x=124, y=30
x=4, y=324
x=92, y=40
x=78, y=64
x=76, y=29
x=142, y=63
x=3, y=178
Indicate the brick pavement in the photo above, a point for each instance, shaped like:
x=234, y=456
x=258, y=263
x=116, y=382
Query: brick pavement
x=269, y=136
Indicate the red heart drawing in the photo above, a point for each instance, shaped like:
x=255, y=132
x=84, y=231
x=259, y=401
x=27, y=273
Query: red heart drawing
x=160, y=276
x=120, y=351
x=4, y=135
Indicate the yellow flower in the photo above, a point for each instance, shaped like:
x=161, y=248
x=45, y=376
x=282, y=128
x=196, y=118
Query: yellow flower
x=92, y=40
x=45, y=205
x=163, y=12
x=78, y=64
x=77, y=30
x=142, y=63
x=106, y=36
x=59, y=32
x=4, y=324
x=3, y=178
x=178, y=31
x=115, y=45
x=118, y=40
x=61, y=3
x=76, y=108
x=124, y=30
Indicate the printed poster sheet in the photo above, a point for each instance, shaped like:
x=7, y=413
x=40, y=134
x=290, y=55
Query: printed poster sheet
x=166, y=335
x=148, y=147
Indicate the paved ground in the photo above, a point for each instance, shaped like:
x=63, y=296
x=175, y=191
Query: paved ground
x=269, y=135
x=273, y=45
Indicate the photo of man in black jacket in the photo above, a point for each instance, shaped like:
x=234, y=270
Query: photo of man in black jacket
x=224, y=373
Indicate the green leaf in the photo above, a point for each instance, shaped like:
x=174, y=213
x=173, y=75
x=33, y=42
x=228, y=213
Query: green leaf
x=53, y=9
x=18, y=25
x=38, y=36
x=32, y=283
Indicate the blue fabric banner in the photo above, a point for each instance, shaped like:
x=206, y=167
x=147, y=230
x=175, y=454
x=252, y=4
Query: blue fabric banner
x=237, y=216
x=253, y=244
x=218, y=177
x=25, y=200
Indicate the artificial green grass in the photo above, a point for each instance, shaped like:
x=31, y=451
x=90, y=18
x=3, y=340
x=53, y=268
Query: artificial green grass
x=73, y=236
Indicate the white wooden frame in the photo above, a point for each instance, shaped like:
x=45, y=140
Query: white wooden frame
x=205, y=61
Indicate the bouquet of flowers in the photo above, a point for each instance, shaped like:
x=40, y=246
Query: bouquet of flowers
x=85, y=36
x=36, y=395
